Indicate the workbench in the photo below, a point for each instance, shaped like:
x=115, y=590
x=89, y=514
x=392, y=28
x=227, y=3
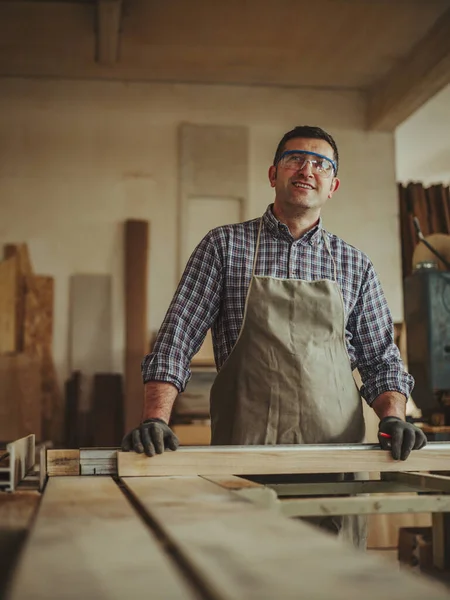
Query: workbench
x=188, y=524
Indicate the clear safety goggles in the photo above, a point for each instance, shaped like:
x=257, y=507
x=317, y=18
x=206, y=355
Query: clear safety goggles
x=295, y=160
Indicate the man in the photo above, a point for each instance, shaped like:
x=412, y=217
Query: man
x=293, y=310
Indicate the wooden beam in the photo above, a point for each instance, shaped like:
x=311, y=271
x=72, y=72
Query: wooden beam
x=136, y=334
x=108, y=31
x=272, y=460
x=8, y=305
x=240, y=551
x=88, y=542
x=416, y=79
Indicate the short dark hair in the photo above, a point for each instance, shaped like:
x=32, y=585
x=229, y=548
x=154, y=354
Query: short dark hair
x=307, y=132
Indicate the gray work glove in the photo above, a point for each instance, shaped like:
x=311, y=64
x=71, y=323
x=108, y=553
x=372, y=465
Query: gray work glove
x=153, y=436
x=401, y=438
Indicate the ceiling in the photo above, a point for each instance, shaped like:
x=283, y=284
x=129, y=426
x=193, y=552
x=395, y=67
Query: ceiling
x=397, y=51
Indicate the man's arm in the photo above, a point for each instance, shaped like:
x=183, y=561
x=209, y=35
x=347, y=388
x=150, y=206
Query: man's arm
x=390, y=404
x=386, y=384
x=158, y=400
x=166, y=370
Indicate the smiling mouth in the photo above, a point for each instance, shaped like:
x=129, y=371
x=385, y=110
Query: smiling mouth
x=305, y=186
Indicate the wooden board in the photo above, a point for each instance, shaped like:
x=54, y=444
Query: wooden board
x=63, y=462
x=20, y=397
x=136, y=308
x=271, y=460
x=21, y=254
x=8, y=308
x=240, y=551
x=88, y=542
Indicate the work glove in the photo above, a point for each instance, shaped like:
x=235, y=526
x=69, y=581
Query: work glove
x=153, y=436
x=400, y=437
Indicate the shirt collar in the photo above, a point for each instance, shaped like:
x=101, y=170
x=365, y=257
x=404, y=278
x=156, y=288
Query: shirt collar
x=281, y=231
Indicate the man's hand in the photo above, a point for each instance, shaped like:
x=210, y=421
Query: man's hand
x=401, y=437
x=153, y=436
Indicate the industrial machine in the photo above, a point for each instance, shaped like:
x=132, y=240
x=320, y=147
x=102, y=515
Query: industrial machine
x=427, y=319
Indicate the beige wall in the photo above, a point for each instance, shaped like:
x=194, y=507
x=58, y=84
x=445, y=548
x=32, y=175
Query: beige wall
x=80, y=157
x=423, y=143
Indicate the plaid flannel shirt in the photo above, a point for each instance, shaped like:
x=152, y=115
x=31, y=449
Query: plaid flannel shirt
x=213, y=289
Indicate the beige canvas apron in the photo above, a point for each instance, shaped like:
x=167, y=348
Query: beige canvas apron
x=288, y=379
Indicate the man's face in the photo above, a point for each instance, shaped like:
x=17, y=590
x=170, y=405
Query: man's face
x=300, y=187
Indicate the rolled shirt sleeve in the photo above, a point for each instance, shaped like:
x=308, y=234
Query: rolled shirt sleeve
x=372, y=347
x=192, y=312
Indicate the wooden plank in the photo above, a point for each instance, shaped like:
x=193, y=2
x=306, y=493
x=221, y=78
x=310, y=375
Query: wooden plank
x=21, y=254
x=98, y=461
x=8, y=309
x=17, y=511
x=271, y=460
x=414, y=80
x=108, y=31
x=38, y=341
x=240, y=551
x=136, y=309
x=20, y=396
x=366, y=505
x=258, y=494
x=337, y=488
x=88, y=542
x=63, y=462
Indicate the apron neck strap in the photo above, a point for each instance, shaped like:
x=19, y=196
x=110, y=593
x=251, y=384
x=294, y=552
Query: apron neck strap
x=327, y=246
x=257, y=247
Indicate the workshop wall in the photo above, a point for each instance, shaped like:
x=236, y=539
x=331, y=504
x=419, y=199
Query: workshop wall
x=80, y=157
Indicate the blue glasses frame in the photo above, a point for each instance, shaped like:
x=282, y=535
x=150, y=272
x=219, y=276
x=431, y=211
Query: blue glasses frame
x=288, y=152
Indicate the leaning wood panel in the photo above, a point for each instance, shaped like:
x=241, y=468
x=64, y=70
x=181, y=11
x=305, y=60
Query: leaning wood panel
x=271, y=460
x=88, y=542
x=242, y=552
x=136, y=276
x=8, y=308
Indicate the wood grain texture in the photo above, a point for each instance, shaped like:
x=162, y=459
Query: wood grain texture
x=272, y=460
x=8, y=308
x=243, y=552
x=136, y=334
x=63, y=462
x=21, y=254
x=88, y=542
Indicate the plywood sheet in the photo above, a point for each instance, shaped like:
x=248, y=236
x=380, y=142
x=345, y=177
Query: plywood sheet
x=88, y=542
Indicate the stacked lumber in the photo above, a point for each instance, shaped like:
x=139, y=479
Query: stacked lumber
x=30, y=401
